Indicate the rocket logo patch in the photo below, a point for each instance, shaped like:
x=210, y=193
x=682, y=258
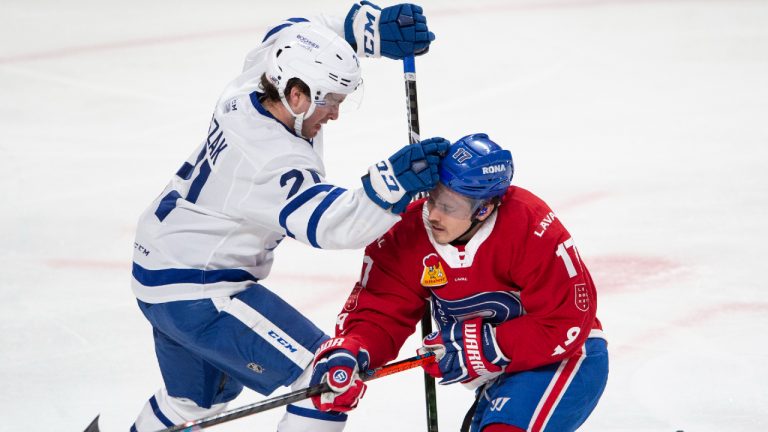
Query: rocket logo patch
x=581, y=297
x=433, y=275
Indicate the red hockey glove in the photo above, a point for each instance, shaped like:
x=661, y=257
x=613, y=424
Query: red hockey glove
x=338, y=362
x=466, y=352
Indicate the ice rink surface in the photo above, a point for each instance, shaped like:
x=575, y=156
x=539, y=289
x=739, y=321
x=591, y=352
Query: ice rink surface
x=644, y=124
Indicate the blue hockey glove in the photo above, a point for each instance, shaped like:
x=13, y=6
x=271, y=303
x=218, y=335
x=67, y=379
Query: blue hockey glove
x=395, y=32
x=338, y=362
x=466, y=352
x=392, y=183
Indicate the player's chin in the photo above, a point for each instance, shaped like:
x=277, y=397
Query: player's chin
x=441, y=235
x=313, y=131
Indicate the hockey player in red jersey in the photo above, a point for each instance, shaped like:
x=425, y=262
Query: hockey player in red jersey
x=514, y=303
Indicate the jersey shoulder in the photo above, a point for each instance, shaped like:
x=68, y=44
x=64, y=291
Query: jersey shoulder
x=528, y=215
x=263, y=141
x=411, y=225
x=518, y=199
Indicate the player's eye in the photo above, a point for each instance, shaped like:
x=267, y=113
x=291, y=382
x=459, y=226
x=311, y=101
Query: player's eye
x=332, y=100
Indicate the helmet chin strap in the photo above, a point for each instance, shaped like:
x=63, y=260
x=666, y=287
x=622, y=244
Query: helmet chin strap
x=473, y=223
x=298, y=119
x=458, y=240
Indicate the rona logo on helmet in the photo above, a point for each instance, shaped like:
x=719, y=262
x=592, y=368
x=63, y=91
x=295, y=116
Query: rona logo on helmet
x=494, y=169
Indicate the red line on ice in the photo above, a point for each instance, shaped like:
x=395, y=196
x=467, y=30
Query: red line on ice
x=693, y=319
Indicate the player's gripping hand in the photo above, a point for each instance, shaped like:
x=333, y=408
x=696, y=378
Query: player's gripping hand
x=338, y=362
x=395, y=32
x=466, y=352
x=392, y=183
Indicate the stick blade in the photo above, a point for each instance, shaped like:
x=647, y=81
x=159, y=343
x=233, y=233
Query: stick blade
x=94, y=426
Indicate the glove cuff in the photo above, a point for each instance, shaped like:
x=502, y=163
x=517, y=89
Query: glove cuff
x=372, y=195
x=402, y=205
x=382, y=187
x=491, y=349
x=361, y=29
x=332, y=344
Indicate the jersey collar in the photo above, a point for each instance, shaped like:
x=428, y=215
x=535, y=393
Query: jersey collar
x=451, y=254
x=263, y=111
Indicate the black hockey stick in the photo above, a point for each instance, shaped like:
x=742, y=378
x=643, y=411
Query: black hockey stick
x=409, y=73
x=287, y=398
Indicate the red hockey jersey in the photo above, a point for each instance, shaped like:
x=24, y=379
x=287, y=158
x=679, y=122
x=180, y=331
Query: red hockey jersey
x=520, y=271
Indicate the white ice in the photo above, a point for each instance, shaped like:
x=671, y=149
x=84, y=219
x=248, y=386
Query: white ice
x=644, y=124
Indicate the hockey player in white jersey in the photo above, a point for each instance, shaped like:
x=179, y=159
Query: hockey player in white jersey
x=206, y=242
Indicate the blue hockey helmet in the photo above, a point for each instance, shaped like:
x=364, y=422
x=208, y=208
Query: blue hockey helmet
x=477, y=167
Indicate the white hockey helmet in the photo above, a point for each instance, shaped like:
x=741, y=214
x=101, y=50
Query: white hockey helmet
x=323, y=60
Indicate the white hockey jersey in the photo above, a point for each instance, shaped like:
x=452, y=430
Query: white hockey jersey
x=253, y=181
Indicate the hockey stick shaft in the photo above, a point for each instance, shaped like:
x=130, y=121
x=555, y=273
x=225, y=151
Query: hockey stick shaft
x=298, y=395
x=288, y=398
x=412, y=104
x=411, y=101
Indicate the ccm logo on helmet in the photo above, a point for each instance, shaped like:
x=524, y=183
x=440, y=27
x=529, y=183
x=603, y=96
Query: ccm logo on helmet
x=493, y=169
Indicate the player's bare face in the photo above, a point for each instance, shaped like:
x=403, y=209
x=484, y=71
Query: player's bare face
x=325, y=111
x=450, y=214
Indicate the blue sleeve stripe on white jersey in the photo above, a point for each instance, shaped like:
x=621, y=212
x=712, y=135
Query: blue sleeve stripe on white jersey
x=299, y=201
x=159, y=414
x=282, y=26
x=321, y=415
x=176, y=276
x=318, y=213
